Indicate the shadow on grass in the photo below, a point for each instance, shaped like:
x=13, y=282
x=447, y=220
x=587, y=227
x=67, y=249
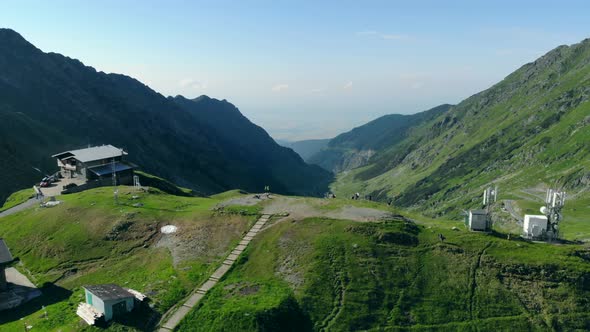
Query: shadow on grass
x=50, y=294
x=142, y=318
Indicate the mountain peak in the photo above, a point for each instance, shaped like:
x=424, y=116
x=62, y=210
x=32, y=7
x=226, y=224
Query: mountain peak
x=9, y=37
x=202, y=98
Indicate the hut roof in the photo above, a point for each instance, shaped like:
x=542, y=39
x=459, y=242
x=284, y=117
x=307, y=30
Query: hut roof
x=108, y=291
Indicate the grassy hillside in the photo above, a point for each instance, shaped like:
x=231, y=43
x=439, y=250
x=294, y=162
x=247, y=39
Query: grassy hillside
x=526, y=133
x=88, y=240
x=356, y=147
x=335, y=275
x=305, y=272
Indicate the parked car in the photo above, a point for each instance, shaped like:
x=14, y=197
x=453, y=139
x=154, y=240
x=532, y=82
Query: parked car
x=44, y=183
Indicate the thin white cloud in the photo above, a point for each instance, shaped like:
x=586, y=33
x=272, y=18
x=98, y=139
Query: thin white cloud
x=193, y=84
x=366, y=33
x=348, y=85
x=385, y=36
x=318, y=90
x=280, y=87
x=394, y=36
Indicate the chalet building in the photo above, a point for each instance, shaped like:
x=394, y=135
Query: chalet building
x=5, y=258
x=109, y=300
x=96, y=163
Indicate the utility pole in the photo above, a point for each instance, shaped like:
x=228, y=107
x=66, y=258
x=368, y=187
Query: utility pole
x=116, y=191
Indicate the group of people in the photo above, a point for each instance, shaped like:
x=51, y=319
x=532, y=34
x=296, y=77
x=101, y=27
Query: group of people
x=357, y=196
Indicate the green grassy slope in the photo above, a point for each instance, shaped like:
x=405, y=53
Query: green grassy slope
x=356, y=147
x=333, y=275
x=88, y=239
x=529, y=131
x=17, y=198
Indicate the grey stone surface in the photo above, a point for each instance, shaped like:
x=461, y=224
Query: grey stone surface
x=193, y=300
x=176, y=318
x=208, y=285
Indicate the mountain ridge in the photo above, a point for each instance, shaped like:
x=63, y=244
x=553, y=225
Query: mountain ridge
x=65, y=104
x=524, y=122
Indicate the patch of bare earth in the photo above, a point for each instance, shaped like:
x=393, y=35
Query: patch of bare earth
x=296, y=208
x=246, y=200
x=208, y=239
x=287, y=267
x=359, y=214
x=242, y=289
x=300, y=209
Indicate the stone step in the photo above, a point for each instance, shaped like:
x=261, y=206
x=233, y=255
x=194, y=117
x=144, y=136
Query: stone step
x=194, y=299
x=176, y=318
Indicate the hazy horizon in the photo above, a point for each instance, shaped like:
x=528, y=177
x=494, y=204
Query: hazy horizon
x=305, y=70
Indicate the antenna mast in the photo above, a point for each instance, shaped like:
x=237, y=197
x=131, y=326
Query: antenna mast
x=116, y=190
x=554, y=200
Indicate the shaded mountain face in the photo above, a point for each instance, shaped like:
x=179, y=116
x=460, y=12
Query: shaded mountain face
x=50, y=103
x=255, y=157
x=306, y=148
x=531, y=130
x=356, y=147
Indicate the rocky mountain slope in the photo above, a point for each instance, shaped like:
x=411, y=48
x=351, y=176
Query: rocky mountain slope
x=356, y=148
x=50, y=103
x=526, y=133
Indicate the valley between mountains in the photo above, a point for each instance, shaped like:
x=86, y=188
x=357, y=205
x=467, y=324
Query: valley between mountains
x=397, y=257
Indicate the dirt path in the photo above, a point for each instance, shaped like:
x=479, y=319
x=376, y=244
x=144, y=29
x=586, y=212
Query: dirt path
x=511, y=208
x=298, y=209
x=176, y=314
x=20, y=207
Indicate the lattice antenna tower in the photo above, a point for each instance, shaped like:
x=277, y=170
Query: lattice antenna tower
x=490, y=195
x=554, y=202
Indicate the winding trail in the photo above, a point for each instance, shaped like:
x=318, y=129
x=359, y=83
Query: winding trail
x=509, y=205
x=340, y=298
x=176, y=314
x=473, y=285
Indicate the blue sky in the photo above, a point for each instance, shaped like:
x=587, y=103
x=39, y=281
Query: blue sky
x=305, y=69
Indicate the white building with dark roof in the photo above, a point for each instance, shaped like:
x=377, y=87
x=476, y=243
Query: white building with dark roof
x=96, y=163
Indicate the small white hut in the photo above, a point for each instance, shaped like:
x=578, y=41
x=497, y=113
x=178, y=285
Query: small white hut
x=534, y=226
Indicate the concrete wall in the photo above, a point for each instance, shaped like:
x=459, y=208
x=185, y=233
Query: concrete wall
x=108, y=305
x=127, y=179
x=534, y=221
x=97, y=303
x=478, y=222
